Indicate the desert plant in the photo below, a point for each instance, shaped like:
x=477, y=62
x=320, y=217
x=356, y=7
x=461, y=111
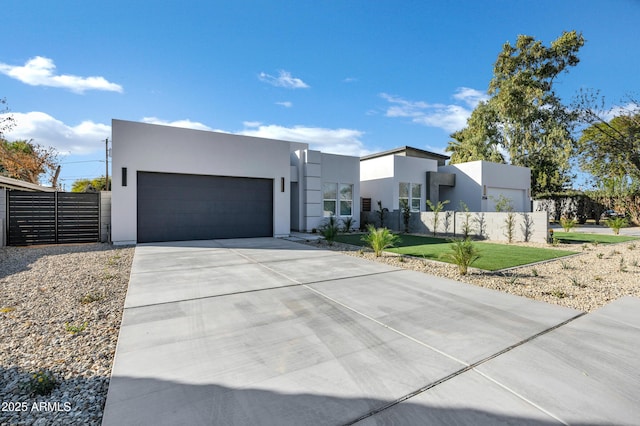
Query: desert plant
x=90, y=298
x=379, y=239
x=600, y=255
x=617, y=223
x=406, y=215
x=349, y=223
x=509, y=226
x=526, y=227
x=621, y=266
x=381, y=213
x=467, y=227
x=534, y=272
x=463, y=253
x=631, y=246
x=75, y=329
x=567, y=224
x=436, y=209
x=40, y=383
x=329, y=229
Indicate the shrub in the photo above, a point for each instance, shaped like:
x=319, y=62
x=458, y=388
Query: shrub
x=380, y=212
x=40, y=383
x=329, y=229
x=349, y=223
x=567, y=224
x=379, y=239
x=75, y=329
x=616, y=223
x=463, y=253
x=436, y=209
x=467, y=228
x=510, y=224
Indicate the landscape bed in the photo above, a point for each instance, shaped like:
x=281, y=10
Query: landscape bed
x=493, y=256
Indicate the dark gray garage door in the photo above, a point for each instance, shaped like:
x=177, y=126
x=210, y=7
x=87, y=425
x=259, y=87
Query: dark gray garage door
x=179, y=207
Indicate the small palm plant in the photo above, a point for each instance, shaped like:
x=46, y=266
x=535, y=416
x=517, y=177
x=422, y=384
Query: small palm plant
x=380, y=239
x=567, y=224
x=616, y=223
x=329, y=230
x=463, y=253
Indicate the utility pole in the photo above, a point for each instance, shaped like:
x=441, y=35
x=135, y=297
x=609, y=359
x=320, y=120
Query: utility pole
x=106, y=158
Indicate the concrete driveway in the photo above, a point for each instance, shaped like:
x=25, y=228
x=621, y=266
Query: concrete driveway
x=272, y=332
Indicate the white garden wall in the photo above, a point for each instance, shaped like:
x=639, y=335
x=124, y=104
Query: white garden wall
x=451, y=224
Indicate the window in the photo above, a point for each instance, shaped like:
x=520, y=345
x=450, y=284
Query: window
x=404, y=194
x=337, y=199
x=329, y=196
x=415, y=197
x=346, y=199
x=409, y=194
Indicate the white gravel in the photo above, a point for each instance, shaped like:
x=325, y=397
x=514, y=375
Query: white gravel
x=47, y=292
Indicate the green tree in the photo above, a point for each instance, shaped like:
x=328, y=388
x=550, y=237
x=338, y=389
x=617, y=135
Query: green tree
x=89, y=185
x=609, y=148
x=524, y=117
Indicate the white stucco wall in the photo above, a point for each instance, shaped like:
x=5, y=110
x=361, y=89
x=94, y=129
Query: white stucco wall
x=155, y=148
x=480, y=183
x=342, y=169
x=380, y=178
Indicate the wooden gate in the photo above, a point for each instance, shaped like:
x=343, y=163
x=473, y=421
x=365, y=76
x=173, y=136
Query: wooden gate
x=52, y=218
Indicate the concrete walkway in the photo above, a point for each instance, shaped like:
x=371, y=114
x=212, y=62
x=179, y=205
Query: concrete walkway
x=271, y=332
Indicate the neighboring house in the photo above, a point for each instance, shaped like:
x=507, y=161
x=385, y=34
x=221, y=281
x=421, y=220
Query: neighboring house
x=480, y=184
x=413, y=176
x=173, y=184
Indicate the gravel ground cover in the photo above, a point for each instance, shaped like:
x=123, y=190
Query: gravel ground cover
x=60, y=313
x=597, y=275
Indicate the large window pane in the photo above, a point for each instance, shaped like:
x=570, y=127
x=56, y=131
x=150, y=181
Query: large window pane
x=415, y=190
x=345, y=208
x=329, y=208
x=404, y=190
x=346, y=192
x=329, y=191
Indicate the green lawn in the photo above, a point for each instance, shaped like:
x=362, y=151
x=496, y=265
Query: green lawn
x=493, y=257
x=579, y=238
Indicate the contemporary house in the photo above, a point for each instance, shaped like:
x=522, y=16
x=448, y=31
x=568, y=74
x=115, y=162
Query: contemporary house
x=172, y=184
x=413, y=176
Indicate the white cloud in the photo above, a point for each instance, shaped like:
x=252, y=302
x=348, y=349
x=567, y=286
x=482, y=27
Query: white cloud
x=469, y=96
x=449, y=117
x=286, y=104
x=84, y=138
x=334, y=141
x=350, y=80
x=185, y=123
x=284, y=79
x=40, y=71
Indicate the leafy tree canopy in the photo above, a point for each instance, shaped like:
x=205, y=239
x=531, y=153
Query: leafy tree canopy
x=609, y=147
x=90, y=185
x=524, y=118
x=27, y=161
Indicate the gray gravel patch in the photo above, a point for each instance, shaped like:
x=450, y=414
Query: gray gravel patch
x=60, y=314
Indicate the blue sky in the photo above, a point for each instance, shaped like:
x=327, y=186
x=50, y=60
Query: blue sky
x=350, y=76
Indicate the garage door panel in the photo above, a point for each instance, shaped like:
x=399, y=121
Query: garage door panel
x=178, y=207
